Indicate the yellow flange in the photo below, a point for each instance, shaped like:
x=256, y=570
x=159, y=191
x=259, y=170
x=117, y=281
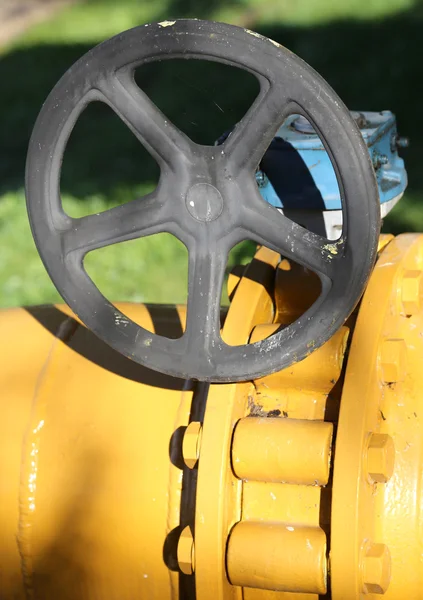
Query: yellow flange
x=376, y=538
x=261, y=515
x=218, y=501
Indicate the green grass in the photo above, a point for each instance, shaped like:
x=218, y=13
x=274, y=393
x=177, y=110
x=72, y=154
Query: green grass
x=133, y=265
x=370, y=51
x=92, y=21
x=306, y=12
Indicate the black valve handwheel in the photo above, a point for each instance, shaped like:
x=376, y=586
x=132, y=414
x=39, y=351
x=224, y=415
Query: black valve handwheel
x=207, y=197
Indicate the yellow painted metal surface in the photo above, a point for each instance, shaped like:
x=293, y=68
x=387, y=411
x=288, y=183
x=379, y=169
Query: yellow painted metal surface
x=89, y=492
x=119, y=482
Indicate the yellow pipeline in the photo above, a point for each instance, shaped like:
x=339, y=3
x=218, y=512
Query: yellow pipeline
x=119, y=482
x=90, y=473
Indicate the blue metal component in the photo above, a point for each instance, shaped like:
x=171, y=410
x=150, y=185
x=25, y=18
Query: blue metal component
x=296, y=171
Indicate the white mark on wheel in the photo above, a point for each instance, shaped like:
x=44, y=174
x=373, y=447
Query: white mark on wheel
x=167, y=23
x=121, y=320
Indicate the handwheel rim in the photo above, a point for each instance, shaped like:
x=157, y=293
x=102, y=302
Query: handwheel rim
x=198, y=353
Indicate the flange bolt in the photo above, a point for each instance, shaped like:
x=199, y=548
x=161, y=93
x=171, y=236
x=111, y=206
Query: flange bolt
x=412, y=291
x=376, y=565
x=186, y=552
x=191, y=444
x=380, y=457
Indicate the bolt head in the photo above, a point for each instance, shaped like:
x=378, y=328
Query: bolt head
x=191, y=444
x=393, y=357
x=380, y=457
x=402, y=142
x=185, y=552
x=379, y=160
x=412, y=292
x=376, y=565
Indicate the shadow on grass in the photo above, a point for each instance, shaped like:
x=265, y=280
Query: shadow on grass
x=372, y=65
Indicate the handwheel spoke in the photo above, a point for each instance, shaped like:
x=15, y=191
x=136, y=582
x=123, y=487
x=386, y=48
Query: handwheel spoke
x=163, y=140
x=206, y=273
x=135, y=219
x=253, y=134
x=276, y=231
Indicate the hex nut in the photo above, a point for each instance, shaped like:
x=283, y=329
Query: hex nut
x=393, y=360
x=380, y=457
x=412, y=292
x=191, y=444
x=376, y=568
x=185, y=552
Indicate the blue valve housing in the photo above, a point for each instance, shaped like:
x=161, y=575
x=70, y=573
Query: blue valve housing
x=296, y=173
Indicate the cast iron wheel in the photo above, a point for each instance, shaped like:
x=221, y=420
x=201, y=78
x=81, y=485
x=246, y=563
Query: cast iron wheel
x=207, y=197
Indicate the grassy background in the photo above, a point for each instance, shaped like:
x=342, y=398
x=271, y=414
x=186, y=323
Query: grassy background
x=369, y=50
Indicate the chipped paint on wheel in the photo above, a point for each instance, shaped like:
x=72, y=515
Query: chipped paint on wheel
x=167, y=23
x=331, y=248
x=255, y=34
x=262, y=37
x=275, y=43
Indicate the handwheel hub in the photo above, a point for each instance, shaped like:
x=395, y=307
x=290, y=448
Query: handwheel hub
x=204, y=202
